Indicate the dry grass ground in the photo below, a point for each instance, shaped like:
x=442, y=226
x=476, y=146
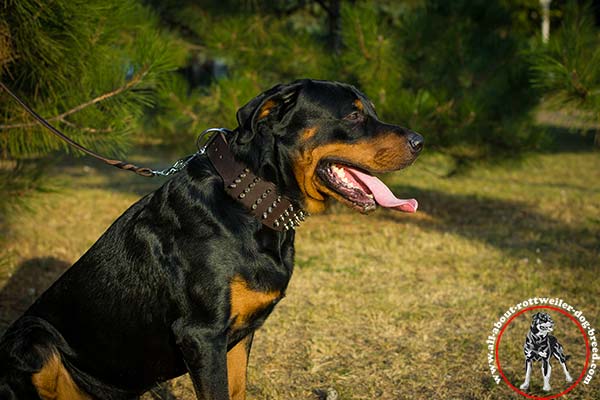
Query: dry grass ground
x=386, y=306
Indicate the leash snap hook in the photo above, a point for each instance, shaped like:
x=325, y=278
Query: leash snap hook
x=175, y=168
x=204, y=139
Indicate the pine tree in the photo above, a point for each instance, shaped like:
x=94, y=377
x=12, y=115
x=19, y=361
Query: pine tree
x=258, y=44
x=91, y=67
x=451, y=70
x=567, y=69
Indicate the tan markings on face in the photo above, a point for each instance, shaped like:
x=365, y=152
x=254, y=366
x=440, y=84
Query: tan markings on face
x=53, y=382
x=266, y=108
x=387, y=152
x=308, y=134
x=237, y=363
x=246, y=301
x=386, y=156
x=359, y=105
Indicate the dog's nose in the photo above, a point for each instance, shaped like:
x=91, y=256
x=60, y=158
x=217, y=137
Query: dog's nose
x=416, y=142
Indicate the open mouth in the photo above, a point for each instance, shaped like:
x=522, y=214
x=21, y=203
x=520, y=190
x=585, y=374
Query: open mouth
x=360, y=189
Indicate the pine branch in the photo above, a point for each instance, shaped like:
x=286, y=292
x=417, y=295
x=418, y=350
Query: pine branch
x=61, y=117
x=85, y=128
x=185, y=109
x=361, y=41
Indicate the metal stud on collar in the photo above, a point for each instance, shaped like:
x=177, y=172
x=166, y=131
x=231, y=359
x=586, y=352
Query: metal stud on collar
x=294, y=219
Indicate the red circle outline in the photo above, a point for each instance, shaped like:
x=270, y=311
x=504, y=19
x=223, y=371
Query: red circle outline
x=587, y=354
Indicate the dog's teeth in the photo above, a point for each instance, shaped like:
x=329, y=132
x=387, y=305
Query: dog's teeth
x=370, y=196
x=339, y=172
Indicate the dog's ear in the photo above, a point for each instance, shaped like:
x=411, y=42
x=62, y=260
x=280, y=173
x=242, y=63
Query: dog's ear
x=272, y=105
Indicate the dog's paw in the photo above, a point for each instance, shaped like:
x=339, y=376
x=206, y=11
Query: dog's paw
x=569, y=378
x=547, y=388
x=524, y=386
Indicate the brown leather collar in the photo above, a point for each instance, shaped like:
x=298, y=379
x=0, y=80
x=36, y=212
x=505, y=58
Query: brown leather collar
x=260, y=197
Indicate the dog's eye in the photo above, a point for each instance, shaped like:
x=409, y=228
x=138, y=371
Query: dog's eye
x=355, y=116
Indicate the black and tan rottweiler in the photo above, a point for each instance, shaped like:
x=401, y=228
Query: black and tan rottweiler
x=180, y=282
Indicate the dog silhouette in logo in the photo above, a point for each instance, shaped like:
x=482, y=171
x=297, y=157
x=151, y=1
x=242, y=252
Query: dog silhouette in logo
x=540, y=345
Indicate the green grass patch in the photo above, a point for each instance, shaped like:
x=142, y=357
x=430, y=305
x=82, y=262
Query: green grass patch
x=389, y=305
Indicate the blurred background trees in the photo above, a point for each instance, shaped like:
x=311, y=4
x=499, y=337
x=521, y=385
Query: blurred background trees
x=466, y=74
x=567, y=69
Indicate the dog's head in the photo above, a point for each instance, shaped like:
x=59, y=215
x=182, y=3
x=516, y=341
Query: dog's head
x=320, y=139
x=542, y=324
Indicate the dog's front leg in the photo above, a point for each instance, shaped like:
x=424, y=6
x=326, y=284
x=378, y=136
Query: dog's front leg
x=546, y=370
x=560, y=356
x=525, y=384
x=204, y=351
x=566, y=371
x=237, y=364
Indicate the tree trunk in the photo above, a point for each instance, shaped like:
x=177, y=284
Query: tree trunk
x=335, y=26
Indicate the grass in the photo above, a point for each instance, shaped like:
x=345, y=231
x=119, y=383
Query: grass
x=389, y=305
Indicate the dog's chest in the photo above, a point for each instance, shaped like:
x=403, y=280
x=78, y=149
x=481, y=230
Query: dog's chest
x=248, y=304
x=539, y=344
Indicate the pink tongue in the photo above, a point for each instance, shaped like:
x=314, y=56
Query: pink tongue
x=383, y=195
